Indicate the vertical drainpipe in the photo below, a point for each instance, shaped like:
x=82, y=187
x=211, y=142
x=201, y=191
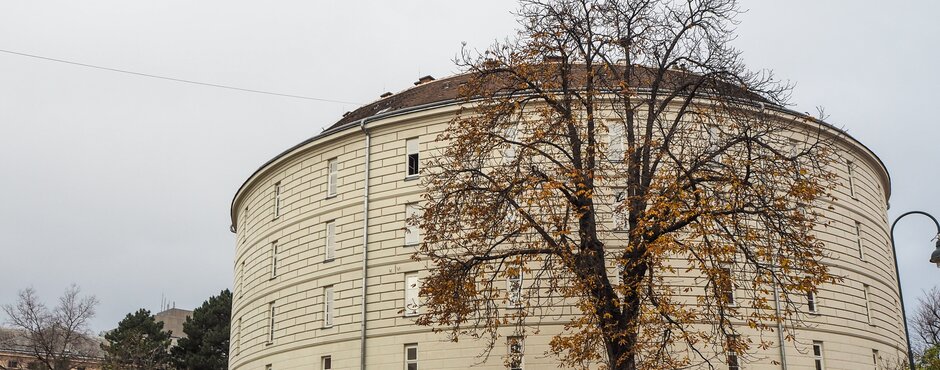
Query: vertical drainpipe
x=365, y=243
x=780, y=338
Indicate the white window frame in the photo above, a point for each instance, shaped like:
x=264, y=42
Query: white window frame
x=615, y=147
x=866, y=292
x=514, y=290
x=819, y=360
x=326, y=362
x=412, y=232
x=271, y=322
x=332, y=176
x=732, y=357
x=412, y=304
x=412, y=148
x=277, y=200
x=511, y=133
x=274, y=260
x=515, y=346
x=812, y=303
x=329, y=306
x=329, y=252
x=411, y=361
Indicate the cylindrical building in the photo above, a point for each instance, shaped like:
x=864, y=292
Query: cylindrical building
x=323, y=274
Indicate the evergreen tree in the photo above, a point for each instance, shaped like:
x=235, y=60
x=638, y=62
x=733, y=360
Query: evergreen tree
x=207, y=335
x=139, y=342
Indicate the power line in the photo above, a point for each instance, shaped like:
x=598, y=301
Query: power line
x=177, y=79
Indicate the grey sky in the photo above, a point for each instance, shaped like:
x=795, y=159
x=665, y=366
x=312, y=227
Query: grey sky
x=121, y=184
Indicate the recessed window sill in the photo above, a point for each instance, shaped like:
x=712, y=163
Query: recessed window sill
x=411, y=177
x=331, y=196
x=328, y=260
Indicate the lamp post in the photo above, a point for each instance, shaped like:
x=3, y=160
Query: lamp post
x=934, y=258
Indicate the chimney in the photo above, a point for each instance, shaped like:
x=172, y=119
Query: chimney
x=385, y=95
x=424, y=79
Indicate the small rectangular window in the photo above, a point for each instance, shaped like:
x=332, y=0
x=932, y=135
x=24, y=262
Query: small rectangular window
x=510, y=135
x=811, y=304
x=412, y=231
x=514, y=290
x=850, y=167
x=818, y=355
x=516, y=352
x=326, y=363
x=727, y=286
x=875, y=357
x=615, y=144
x=268, y=367
x=333, y=176
x=241, y=278
x=328, y=306
x=731, y=357
x=271, y=322
x=619, y=211
x=277, y=200
x=866, y=292
x=858, y=240
x=274, y=259
x=12, y=364
x=411, y=356
x=412, y=157
x=330, y=252
x=412, y=288
x=238, y=336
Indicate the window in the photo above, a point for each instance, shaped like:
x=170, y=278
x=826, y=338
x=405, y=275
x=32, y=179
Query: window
x=510, y=135
x=514, y=290
x=268, y=367
x=241, y=279
x=238, y=336
x=411, y=356
x=277, y=200
x=726, y=285
x=818, y=355
x=414, y=164
x=516, y=351
x=332, y=177
x=875, y=357
x=811, y=304
x=866, y=294
x=328, y=306
x=330, y=252
x=12, y=364
x=731, y=357
x=615, y=137
x=714, y=134
x=326, y=363
x=412, y=232
x=858, y=240
x=274, y=259
x=271, y=322
x=850, y=167
x=412, y=287
x=619, y=211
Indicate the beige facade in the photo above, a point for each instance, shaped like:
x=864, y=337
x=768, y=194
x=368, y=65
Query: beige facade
x=303, y=219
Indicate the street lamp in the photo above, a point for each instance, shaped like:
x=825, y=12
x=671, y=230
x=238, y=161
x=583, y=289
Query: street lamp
x=934, y=258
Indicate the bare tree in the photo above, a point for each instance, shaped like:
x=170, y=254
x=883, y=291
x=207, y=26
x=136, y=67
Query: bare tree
x=619, y=168
x=925, y=322
x=59, y=337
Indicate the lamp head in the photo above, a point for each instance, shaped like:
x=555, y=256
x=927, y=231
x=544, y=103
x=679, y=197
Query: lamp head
x=935, y=256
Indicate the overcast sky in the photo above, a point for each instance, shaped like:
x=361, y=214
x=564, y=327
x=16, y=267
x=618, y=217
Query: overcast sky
x=122, y=184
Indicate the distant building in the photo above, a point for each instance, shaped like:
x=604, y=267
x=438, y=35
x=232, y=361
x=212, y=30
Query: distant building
x=15, y=353
x=173, y=319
